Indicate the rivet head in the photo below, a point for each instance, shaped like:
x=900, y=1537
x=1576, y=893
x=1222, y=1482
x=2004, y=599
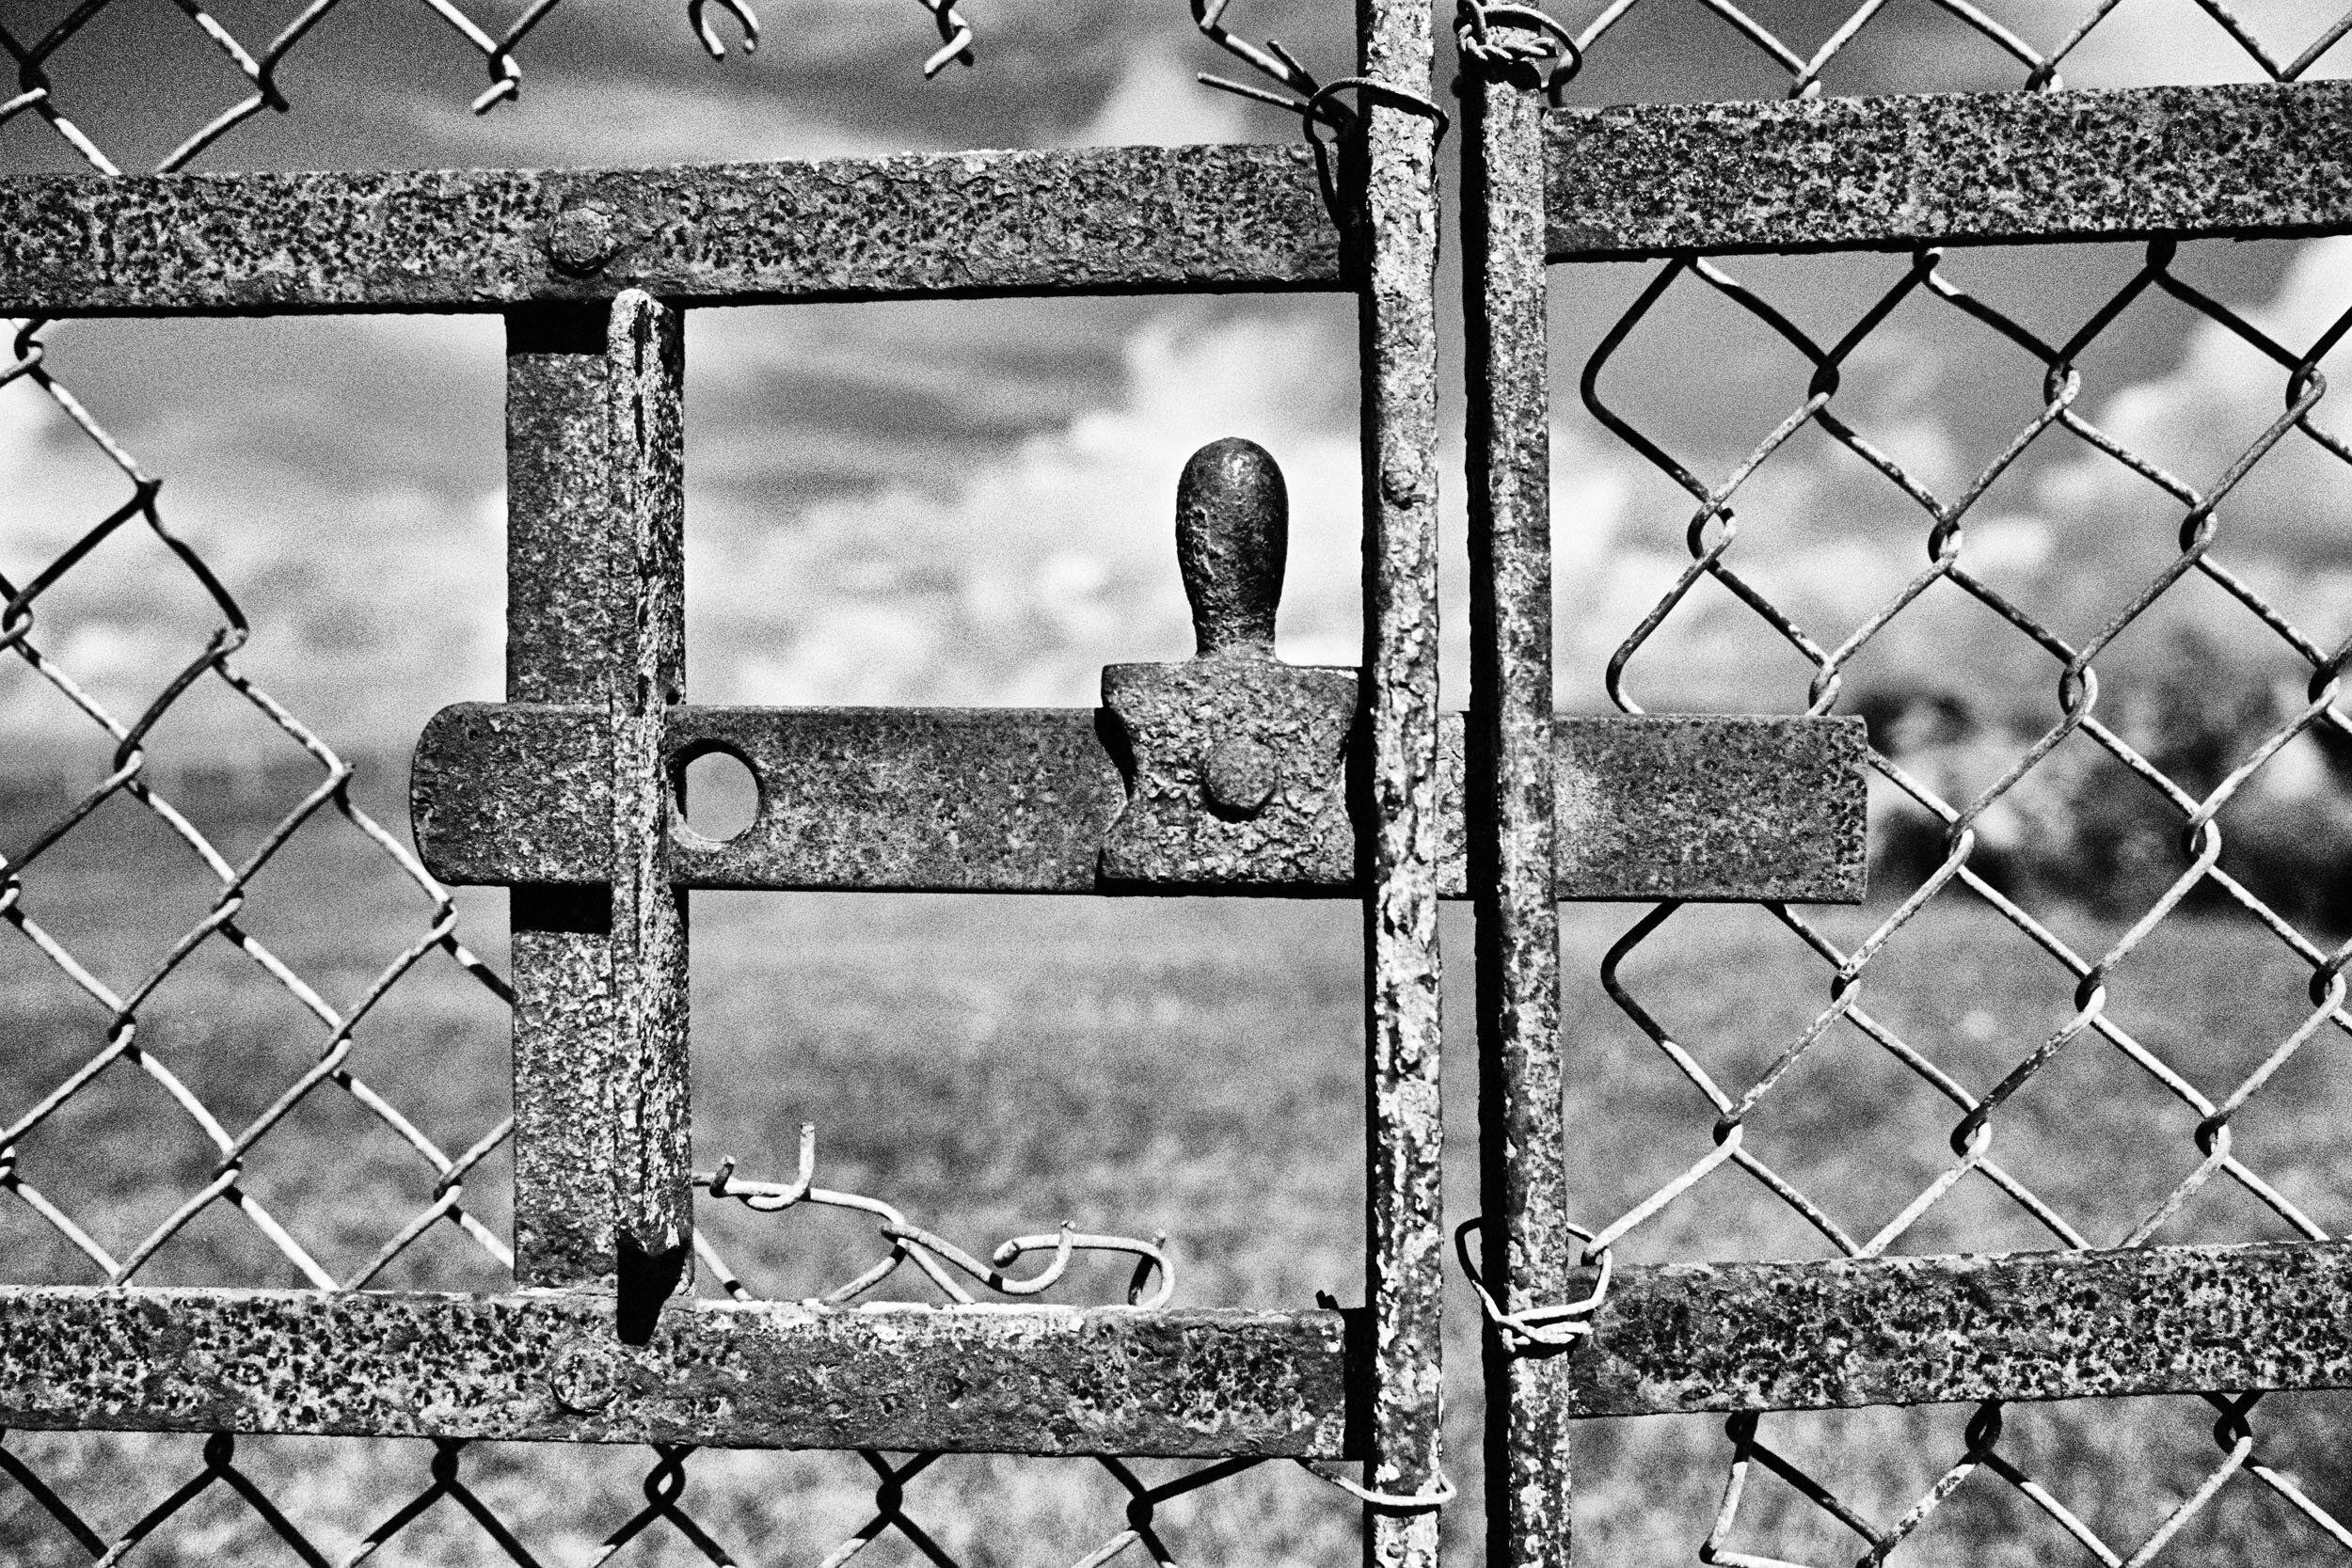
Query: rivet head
x=1240, y=776
x=583, y=1379
x=582, y=237
x=1401, y=482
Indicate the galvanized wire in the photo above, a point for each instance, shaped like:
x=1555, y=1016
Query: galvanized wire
x=664, y=1507
x=2233, y=1434
x=936, y=1259
x=2039, y=66
x=37, y=95
x=329, y=797
x=1711, y=536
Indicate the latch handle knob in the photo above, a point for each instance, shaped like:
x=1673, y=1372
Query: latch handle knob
x=1232, y=532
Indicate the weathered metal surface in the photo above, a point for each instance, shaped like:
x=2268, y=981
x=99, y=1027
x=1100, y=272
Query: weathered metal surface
x=1710, y=808
x=962, y=799
x=1395, y=161
x=1240, y=773
x=1237, y=761
x=563, y=645
x=1891, y=173
x=1022, y=799
x=652, y=1168
x=1125, y=219
x=1513, y=822
x=1028, y=1380
x=1928, y=1330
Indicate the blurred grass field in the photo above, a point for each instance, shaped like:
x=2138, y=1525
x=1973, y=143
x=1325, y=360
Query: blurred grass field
x=994, y=1066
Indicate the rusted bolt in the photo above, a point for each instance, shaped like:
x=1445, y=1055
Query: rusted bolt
x=1401, y=482
x=1240, y=776
x=582, y=237
x=584, y=1379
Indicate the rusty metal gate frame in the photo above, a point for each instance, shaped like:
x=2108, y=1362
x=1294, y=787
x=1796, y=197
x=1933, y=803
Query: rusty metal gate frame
x=592, y=271
x=1545, y=185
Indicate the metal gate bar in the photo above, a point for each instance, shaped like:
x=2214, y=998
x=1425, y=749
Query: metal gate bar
x=1021, y=799
x=567, y=641
x=933, y=226
x=770, y=1374
x=1948, y=168
x=1517, y=835
x=2033, y=1325
x=1674, y=1338
x=1405, y=1240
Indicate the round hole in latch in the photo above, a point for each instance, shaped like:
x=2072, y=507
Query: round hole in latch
x=720, y=794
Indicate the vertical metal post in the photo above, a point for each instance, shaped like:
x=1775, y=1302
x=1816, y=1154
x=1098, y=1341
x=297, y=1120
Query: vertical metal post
x=1522, y=1173
x=593, y=618
x=561, y=647
x=1397, y=249
x=645, y=387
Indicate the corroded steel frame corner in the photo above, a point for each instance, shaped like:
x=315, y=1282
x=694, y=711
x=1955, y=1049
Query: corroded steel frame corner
x=1396, y=178
x=1511, y=815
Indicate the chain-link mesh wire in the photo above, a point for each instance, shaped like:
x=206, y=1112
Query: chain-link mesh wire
x=2035, y=41
x=2243, y=1464
x=1847, y=1090
x=2200, y=804
x=33, y=53
x=174, y=1499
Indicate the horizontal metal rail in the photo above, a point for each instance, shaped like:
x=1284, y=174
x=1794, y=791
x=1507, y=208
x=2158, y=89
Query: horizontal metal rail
x=1674, y=1339
x=1022, y=801
x=1931, y=1330
x=1106, y=220
x=969, y=1379
x=1892, y=173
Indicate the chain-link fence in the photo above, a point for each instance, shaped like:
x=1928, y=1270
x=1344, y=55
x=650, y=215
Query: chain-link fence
x=2121, y=879
x=1984, y=1068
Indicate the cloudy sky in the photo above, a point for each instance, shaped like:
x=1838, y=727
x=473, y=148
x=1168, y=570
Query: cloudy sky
x=969, y=502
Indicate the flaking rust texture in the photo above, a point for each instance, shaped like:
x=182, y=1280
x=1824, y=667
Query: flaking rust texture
x=906, y=799
x=1109, y=220
x=1404, y=1247
x=1930, y=1330
x=564, y=644
x=1823, y=173
x=1697, y=807
x=1013, y=1380
x=645, y=405
x=1023, y=799
x=1512, y=820
x=1284, y=822
x=1003, y=801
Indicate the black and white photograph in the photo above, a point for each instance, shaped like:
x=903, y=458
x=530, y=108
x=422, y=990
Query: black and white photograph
x=1241, y=783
